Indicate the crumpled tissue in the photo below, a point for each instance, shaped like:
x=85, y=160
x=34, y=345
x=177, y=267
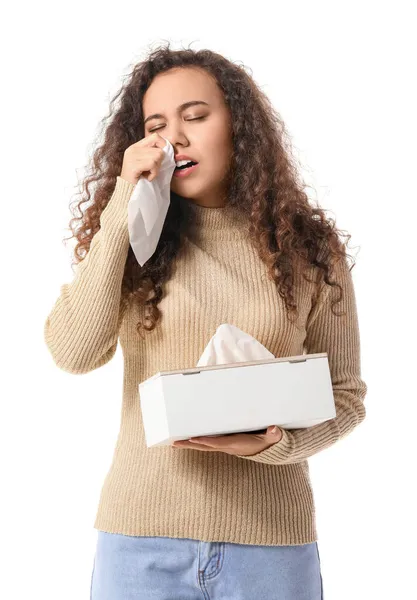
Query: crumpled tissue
x=148, y=206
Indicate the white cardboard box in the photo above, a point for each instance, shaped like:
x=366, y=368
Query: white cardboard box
x=292, y=392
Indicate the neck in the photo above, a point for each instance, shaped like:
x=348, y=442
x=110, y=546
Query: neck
x=213, y=198
x=216, y=222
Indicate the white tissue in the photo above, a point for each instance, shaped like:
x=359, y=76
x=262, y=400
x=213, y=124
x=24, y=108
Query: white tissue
x=148, y=206
x=229, y=345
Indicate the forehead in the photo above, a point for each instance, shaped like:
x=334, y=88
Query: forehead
x=171, y=88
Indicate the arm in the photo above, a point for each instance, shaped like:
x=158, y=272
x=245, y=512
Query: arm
x=339, y=337
x=82, y=329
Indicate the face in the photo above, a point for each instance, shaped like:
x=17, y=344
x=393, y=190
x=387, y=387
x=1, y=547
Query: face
x=201, y=131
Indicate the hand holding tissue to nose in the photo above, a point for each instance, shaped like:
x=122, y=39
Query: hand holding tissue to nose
x=148, y=206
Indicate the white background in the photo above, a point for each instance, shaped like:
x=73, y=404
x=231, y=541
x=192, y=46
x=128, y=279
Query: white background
x=341, y=75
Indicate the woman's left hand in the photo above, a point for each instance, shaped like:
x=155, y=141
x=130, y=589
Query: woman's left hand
x=244, y=444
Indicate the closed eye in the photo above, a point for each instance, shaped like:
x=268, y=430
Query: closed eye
x=196, y=119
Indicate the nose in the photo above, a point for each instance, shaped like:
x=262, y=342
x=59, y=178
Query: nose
x=176, y=136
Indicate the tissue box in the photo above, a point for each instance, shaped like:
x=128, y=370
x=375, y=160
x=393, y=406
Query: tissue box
x=292, y=392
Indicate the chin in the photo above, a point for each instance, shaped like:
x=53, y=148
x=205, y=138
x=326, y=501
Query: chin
x=188, y=189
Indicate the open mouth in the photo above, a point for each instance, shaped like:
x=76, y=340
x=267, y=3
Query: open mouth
x=186, y=166
x=186, y=169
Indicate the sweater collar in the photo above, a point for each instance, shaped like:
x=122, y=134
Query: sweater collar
x=220, y=223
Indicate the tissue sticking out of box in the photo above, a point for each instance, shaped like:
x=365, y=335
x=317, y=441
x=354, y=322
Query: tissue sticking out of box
x=230, y=345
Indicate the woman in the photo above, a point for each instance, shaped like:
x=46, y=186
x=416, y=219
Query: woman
x=217, y=517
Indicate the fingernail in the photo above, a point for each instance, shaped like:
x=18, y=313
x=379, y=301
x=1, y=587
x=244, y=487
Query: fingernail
x=274, y=429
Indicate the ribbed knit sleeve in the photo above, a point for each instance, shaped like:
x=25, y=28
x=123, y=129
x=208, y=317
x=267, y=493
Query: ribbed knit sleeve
x=82, y=329
x=339, y=337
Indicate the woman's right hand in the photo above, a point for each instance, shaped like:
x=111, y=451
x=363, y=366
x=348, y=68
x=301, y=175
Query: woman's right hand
x=143, y=158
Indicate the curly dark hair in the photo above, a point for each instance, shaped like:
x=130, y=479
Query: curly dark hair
x=263, y=182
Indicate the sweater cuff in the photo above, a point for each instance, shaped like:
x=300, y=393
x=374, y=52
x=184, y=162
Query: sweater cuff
x=276, y=454
x=115, y=211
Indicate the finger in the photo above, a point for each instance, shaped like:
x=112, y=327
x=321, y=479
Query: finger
x=152, y=172
x=213, y=441
x=223, y=440
x=153, y=140
x=274, y=433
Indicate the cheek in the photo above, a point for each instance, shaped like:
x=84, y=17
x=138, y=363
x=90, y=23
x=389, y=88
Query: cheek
x=215, y=146
x=219, y=150
x=216, y=138
x=220, y=163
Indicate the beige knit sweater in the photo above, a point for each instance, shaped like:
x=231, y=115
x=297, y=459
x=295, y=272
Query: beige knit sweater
x=265, y=498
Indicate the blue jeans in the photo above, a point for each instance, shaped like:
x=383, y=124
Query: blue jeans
x=163, y=568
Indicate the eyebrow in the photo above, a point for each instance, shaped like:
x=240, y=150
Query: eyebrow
x=181, y=107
